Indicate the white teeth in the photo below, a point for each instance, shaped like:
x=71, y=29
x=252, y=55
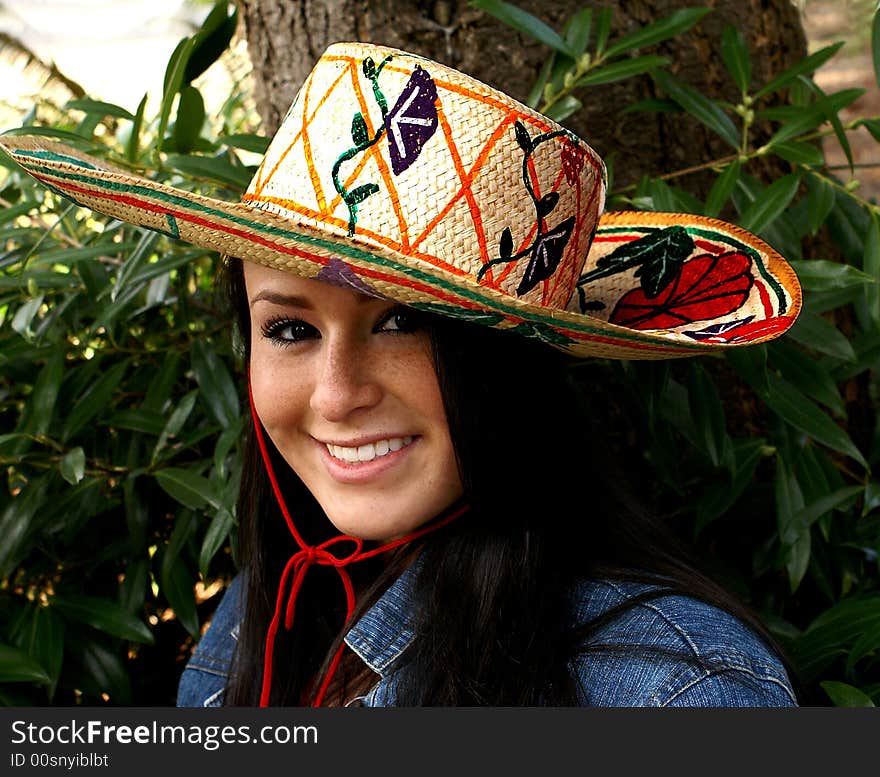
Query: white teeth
x=369, y=451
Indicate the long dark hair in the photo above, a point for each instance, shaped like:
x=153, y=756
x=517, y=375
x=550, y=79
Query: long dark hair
x=547, y=511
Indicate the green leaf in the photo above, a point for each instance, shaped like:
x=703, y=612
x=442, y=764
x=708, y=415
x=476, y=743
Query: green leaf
x=604, y=16
x=807, y=65
x=794, y=408
x=735, y=54
x=799, y=152
x=175, y=422
x=256, y=144
x=794, y=537
x=770, y=203
x=132, y=148
x=137, y=515
x=844, y=695
x=865, y=645
x=822, y=275
x=211, y=40
x=14, y=211
x=842, y=498
x=93, y=401
x=814, y=332
x=102, y=671
x=708, y=414
x=16, y=666
x=707, y=111
x=173, y=80
x=361, y=193
x=820, y=201
x=807, y=119
x=177, y=585
x=17, y=519
x=217, y=169
x=716, y=500
x=809, y=375
x=133, y=588
x=563, y=108
x=215, y=537
x=49, y=132
x=99, y=108
x=875, y=44
x=187, y=487
x=46, y=643
x=524, y=23
x=73, y=465
x=359, y=135
x=133, y=262
x=618, y=71
x=577, y=31
x=190, y=119
x=871, y=266
x=667, y=27
x=24, y=316
x=104, y=615
x=137, y=421
x=217, y=389
x=722, y=188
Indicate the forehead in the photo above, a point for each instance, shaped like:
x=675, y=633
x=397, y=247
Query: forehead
x=276, y=285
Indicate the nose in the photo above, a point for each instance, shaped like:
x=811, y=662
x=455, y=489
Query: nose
x=345, y=380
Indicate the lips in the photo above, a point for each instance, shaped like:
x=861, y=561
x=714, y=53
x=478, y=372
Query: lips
x=368, y=451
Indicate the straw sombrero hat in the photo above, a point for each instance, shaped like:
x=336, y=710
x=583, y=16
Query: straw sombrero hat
x=405, y=179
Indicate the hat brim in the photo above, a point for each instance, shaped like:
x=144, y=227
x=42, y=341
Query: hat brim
x=682, y=320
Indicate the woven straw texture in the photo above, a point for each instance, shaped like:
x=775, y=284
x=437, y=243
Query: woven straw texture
x=401, y=178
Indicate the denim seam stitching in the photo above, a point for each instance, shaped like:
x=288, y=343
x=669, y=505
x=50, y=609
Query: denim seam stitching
x=671, y=623
x=720, y=671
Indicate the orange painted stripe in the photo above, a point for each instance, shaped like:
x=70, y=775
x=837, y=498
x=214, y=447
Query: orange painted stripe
x=307, y=151
x=476, y=215
x=382, y=240
x=306, y=120
x=478, y=163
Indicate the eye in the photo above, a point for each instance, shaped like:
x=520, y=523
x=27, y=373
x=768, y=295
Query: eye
x=400, y=319
x=287, y=331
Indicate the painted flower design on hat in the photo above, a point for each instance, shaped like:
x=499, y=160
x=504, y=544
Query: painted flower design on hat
x=546, y=250
x=409, y=125
x=708, y=286
x=676, y=288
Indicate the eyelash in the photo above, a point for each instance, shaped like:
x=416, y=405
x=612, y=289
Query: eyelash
x=273, y=328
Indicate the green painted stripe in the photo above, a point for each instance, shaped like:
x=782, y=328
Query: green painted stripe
x=368, y=257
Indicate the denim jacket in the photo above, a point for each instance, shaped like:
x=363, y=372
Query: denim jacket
x=736, y=669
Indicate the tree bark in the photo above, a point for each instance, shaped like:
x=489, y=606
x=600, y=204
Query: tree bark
x=286, y=37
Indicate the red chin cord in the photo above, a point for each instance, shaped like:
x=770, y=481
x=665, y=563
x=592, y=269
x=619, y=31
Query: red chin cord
x=301, y=561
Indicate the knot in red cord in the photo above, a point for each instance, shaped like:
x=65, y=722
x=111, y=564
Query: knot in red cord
x=301, y=561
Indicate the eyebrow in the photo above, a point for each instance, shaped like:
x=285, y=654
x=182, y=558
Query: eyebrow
x=294, y=300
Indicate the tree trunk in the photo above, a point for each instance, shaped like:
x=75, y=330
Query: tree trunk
x=286, y=37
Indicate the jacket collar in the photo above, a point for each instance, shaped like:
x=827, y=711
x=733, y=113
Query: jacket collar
x=385, y=630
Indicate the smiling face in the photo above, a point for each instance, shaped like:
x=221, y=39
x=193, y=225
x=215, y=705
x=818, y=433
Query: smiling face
x=345, y=386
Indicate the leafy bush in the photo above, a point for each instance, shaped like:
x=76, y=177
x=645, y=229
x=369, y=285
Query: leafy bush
x=124, y=417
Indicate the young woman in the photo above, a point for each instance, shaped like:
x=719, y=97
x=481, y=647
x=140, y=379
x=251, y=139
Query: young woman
x=427, y=513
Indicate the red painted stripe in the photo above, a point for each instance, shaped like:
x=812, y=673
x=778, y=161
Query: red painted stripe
x=765, y=299
x=251, y=237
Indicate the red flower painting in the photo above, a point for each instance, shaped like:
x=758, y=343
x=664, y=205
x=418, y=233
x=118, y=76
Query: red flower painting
x=708, y=286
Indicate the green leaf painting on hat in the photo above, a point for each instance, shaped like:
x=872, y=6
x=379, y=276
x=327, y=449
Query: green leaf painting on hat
x=410, y=124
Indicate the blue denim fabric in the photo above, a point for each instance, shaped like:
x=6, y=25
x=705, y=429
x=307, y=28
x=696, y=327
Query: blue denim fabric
x=735, y=669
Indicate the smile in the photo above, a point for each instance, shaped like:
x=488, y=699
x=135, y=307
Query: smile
x=370, y=451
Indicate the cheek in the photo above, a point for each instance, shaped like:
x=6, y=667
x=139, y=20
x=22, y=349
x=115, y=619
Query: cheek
x=278, y=394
